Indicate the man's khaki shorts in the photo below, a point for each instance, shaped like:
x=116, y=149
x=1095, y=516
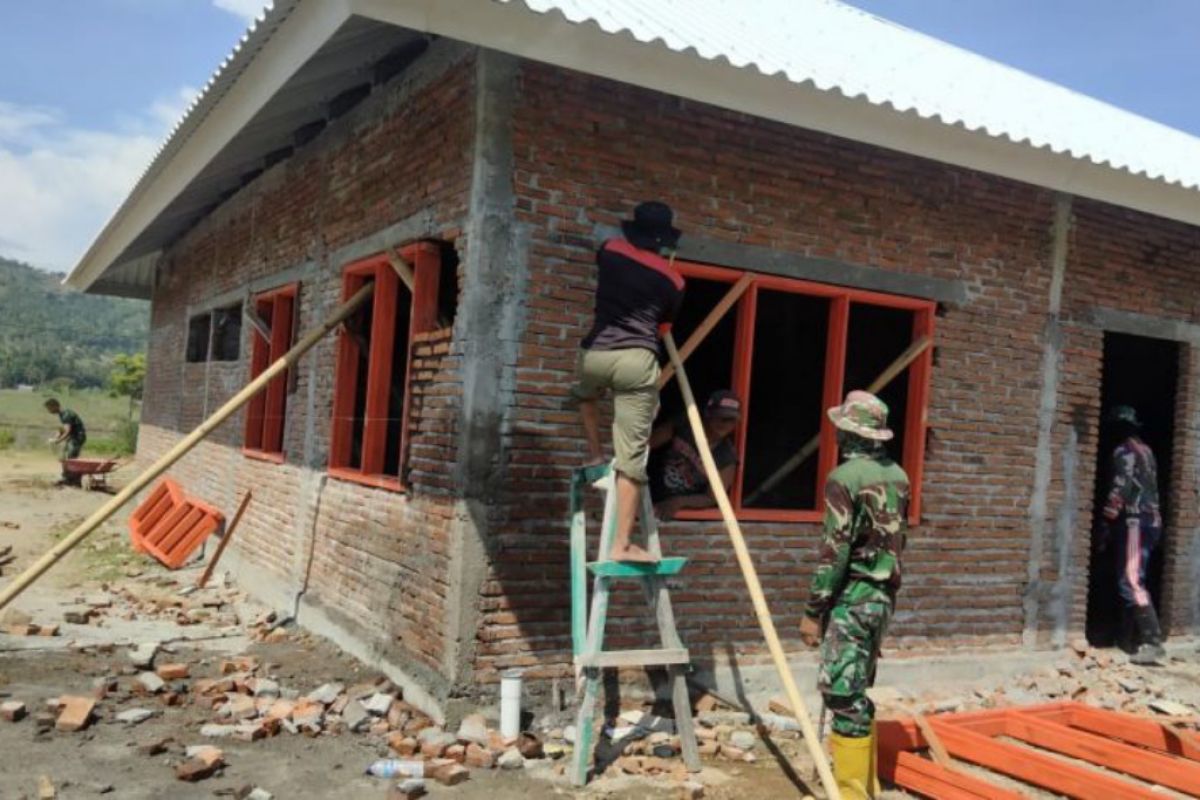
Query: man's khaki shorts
x=632, y=375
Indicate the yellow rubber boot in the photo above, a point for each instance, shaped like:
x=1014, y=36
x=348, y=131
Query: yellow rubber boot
x=853, y=765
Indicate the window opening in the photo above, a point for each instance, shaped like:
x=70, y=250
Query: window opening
x=197, y=339
x=876, y=337
x=227, y=333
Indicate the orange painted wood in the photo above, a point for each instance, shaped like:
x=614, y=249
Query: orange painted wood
x=1153, y=767
x=345, y=385
x=276, y=395
x=1035, y=768
x=379, y=370
x=170, y=526
x=1128, y=728
x=260, y=359
x=928, y=779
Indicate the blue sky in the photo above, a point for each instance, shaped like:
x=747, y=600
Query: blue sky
x=89, y=88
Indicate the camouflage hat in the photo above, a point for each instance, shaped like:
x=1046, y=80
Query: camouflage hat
x=1126, y=414
x=863, y=414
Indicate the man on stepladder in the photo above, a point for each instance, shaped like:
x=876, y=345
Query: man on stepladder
x=1133, y=531
x=856, y=582
x=638, y=293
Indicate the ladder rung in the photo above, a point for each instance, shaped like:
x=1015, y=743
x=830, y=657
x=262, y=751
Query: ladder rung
x=634, y=569
x=635, y=658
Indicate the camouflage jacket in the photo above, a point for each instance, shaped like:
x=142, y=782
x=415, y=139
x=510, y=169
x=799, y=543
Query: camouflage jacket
x=866, y=508
x=1133, y=487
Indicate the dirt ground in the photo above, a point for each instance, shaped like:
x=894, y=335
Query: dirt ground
x=138, y=602
x=104, y=759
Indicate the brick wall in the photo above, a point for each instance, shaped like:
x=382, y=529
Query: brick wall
x=588, y=149
x=375, y=560
x=585, y=151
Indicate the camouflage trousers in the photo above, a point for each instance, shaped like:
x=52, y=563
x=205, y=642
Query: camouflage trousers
x=849, y=652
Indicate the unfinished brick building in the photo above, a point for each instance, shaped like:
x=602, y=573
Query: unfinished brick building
x=410, y=477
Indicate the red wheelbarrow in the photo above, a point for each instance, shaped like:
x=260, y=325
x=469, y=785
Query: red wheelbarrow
x=89, y=473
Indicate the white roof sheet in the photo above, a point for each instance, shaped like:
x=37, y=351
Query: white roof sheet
x=836, y=47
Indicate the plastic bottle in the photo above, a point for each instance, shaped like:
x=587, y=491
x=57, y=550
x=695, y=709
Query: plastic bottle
x=397, y=768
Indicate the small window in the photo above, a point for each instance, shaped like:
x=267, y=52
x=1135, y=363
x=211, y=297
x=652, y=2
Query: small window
x=199, y=331
x=370, y=408
x=267, y=411
x=227, y=333
x=791, y=349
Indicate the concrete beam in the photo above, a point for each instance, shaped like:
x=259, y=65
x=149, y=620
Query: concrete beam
x=822, y=270
x=1114, y=321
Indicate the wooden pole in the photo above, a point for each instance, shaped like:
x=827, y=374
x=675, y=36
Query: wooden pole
x=716, y=315
x=285, y=362
x=887, y=376
x=751, y=576
x=212, y=564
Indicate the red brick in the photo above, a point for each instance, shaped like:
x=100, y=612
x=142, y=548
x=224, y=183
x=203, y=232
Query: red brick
x=76, y=713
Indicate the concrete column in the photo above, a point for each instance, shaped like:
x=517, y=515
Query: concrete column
x=1052, y=337
x=489, y=324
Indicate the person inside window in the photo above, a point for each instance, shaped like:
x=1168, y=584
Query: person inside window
x=677, y=477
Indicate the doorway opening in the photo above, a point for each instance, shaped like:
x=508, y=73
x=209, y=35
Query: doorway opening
x=1141, y=372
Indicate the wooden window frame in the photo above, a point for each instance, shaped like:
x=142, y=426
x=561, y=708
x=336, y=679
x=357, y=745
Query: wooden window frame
x=840, y=299
x=424, y=259
x=266, y=413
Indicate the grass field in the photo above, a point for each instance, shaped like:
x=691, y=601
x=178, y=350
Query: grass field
x=25, y=424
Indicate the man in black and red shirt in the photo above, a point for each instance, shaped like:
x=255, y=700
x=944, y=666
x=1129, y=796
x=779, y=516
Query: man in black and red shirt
x=638, y=293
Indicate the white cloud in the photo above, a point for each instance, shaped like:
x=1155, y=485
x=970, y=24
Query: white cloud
x=61, y=183
x=248, y=10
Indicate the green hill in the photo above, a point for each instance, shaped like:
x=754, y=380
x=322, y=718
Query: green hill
x=49, y=332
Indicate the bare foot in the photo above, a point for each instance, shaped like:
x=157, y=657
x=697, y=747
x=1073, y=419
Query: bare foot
x=633, y=553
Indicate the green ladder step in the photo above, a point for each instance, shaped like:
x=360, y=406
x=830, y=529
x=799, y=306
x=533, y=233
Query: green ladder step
x=633, y=569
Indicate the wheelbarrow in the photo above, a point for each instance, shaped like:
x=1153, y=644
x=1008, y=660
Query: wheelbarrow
x=90, y=473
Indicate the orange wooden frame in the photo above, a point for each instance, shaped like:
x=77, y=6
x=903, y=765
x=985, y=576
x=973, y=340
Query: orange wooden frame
x=266, y=412
x=1131, y=746
x=425, y=260
x=840, y=299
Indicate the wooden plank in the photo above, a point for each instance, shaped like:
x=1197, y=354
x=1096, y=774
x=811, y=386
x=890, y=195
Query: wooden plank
x=635, y=658
x=629, y=569
x=578, y=566
x=707, y=324
x=1152, y=767
x=1127, y=728
x=930, y=780
x=936, y=748
x=233, y=526
x=402, y=270
x=1047, y=772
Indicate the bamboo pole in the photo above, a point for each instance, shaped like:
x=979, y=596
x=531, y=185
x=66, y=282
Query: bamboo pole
x=716, y=315
x=212, y=564
x=887, y=376
x=285, y=362
x=751, y=575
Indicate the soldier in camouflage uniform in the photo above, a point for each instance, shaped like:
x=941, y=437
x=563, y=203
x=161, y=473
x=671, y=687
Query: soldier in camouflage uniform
x=854, y=589
x=1133, y=530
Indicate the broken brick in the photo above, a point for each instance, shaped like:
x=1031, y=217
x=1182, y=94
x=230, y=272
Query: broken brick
x=195, y=770
x=241, y=664
x=76, y=713
x=13, y=710
x=280, y=709
x=46, y=630
x=446, y=771
x=403, y=745
x=479, y=757
x=46, y=790
x=172, y=672
x=153, y=747
x=25, y=629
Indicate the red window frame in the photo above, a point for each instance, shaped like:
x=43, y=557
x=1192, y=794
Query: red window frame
x=424, y=258
x=267, y=411
x=840, y=299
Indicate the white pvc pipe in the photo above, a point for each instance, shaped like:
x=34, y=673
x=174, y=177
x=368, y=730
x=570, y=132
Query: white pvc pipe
x=510, y=704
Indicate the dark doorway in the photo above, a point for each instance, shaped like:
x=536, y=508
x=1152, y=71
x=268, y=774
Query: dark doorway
x=1143, y=373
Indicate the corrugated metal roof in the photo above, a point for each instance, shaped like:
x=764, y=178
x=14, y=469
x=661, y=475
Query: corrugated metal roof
x=836, y=47
x=821, y=51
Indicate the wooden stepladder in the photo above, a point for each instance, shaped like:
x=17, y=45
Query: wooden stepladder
x=587, y=632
